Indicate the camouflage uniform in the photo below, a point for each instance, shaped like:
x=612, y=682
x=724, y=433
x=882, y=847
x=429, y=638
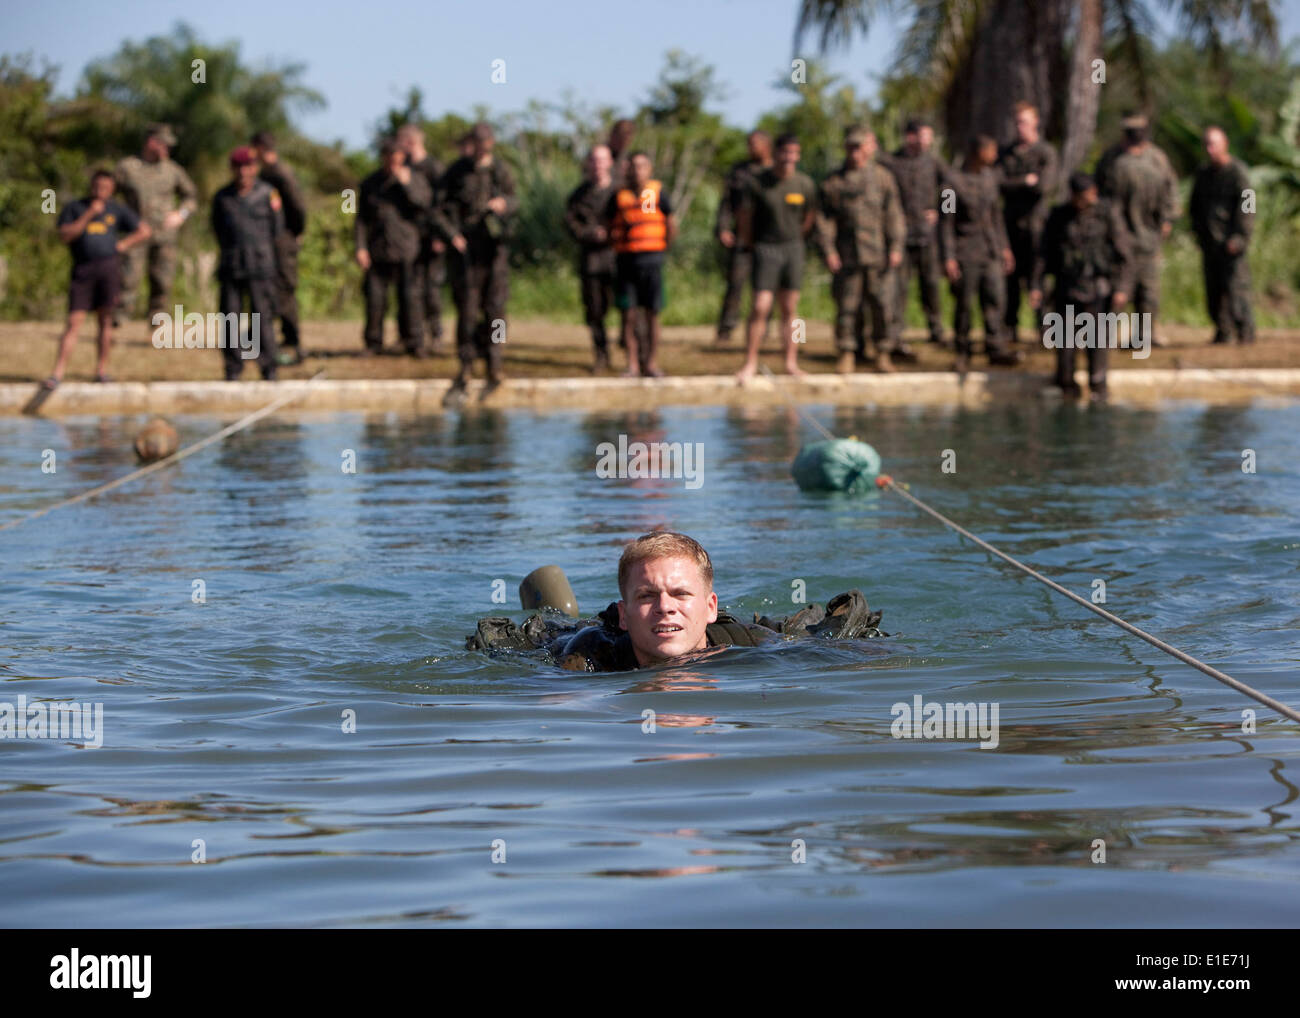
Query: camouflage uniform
x=480, y=277
x=1088, y=254
x=584, y=214
x=862, y=220
x=1217, y=217
x=247, y=228
x=919, y=179
x=1024, y=211
x=295, y=222
x=389, y=217
x=739, y=259
x=975, y=235
x=1143, y=187
x=150, y=190
x=430, y=266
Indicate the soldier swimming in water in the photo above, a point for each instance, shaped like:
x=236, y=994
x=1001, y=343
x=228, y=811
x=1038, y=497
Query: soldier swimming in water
x=668, y=614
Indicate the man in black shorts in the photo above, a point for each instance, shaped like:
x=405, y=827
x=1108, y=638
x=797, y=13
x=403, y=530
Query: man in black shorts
x=777, y=214
x=97, y=230
x=642, y=225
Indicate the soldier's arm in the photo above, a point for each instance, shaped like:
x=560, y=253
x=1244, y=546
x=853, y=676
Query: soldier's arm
x=1000, y=227
x=1170, y=210
x=575, y=220
x=726, y=218
x=295, y=207
x=1006, y=182
x=188, y=193
x=1048, y=174
x=825, y=221
x=895, y=222
x=506, y=183
x=418, y=195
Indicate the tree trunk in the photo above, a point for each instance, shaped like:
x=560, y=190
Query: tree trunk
x=1017, y=55
x=1083, y=95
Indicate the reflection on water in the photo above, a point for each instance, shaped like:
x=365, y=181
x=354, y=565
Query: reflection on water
x=766, y=776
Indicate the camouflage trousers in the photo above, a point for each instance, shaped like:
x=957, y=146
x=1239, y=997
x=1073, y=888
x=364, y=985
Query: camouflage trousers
x=982, y=279
x=856, y=291
x=923, y=260
x=1146, y=284
x=739, y=265
x=161, y=259
x=480, y=284
x=1227, y=295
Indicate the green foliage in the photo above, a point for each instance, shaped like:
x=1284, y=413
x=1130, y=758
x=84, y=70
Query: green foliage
x=50, y=142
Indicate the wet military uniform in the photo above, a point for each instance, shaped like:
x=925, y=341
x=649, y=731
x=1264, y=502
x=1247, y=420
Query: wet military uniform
x=585, y=216
x=1144, y=189
x=1088, y=254
x=862, y=220
x=247, y=226
x=430, y=266
x=480, y=277
x=389, y=219
x=739, y=259
x=295, y=222
x=1024, y=211
x=1217, y=217
x=151, y=190
x=919, y=179
x=975, y=235
x=599, y=645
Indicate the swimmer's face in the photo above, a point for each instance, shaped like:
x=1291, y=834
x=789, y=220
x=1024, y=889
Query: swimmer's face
x=665, y=609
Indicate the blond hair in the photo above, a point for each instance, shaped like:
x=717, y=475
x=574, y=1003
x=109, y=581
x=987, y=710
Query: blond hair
x=663, y=544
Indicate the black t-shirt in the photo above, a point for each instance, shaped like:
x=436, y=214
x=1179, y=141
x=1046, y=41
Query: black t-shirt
x=100, y=237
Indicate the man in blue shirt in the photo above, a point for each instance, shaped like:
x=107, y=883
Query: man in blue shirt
x=97, y=229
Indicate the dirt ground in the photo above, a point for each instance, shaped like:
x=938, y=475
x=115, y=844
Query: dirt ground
x=539, y=348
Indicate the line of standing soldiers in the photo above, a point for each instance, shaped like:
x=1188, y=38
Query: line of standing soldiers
x=416, y=225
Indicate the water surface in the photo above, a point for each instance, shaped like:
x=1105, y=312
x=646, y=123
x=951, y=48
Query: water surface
x=327, y=592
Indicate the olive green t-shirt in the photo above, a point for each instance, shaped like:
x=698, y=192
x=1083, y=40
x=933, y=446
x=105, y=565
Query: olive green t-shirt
x=780, y=206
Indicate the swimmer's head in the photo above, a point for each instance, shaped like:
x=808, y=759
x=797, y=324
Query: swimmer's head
x=666, y=583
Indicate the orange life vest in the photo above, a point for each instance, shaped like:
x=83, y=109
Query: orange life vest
x=635, y=229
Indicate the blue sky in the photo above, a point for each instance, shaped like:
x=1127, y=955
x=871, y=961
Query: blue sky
x=364, y=56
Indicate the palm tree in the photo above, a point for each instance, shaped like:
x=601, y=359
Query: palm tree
x=977, y=58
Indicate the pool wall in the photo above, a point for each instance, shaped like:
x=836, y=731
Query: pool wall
x=1214, y=385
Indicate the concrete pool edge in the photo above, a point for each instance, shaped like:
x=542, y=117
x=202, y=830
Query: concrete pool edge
x=1144, y=387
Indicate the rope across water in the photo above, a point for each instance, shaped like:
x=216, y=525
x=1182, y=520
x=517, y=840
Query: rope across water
x=174, y=458
x=885, y=482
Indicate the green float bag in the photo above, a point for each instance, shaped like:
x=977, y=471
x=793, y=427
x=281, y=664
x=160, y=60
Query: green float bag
x=838, y=464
